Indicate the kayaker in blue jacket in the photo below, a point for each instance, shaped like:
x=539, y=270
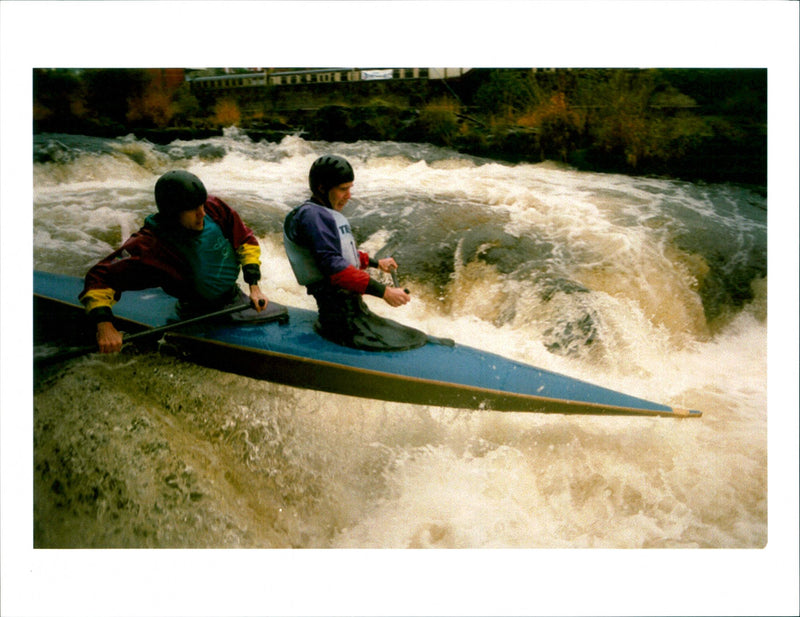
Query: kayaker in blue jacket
x=325, y=259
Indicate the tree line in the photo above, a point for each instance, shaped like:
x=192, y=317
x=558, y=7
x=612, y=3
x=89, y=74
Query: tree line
x=695, y=123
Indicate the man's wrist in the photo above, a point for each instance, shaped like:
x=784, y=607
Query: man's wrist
x=101, y=314
x=374, y=288
x=251, y=274
x=105, y=326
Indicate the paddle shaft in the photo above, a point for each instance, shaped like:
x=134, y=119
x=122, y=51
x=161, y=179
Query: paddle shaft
x=395, y=283
x=82, y=351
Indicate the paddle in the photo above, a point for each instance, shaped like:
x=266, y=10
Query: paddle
x=394, y=280
x=447, y=342
x=76, y=352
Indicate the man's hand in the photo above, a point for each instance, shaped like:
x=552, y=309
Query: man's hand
x=109, y=339
x=394, y=296
x=387, y=264
x=258, y=298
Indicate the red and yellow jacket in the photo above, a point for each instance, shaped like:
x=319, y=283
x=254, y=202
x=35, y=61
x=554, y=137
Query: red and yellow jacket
x=148, y=259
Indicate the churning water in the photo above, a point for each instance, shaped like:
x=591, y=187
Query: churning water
x=649, y=286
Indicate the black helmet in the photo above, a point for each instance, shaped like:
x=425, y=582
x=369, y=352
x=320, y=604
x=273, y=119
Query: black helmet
x=179, y=190
x=328, y=171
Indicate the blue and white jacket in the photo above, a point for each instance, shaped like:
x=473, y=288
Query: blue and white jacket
x=322, y=251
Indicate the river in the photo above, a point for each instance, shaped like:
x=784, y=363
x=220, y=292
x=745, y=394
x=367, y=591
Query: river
x=654, y=287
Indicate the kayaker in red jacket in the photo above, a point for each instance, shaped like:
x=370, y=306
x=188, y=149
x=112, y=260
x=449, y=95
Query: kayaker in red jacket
x=324, y=257
x=192, y=248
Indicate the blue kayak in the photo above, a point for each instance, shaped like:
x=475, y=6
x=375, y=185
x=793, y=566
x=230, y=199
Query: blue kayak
x=291, y=352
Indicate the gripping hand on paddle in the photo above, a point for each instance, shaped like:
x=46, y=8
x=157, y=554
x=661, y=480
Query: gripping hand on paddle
x=258, y=298
x=393, y=296
x=387, y=264
x=109, y=339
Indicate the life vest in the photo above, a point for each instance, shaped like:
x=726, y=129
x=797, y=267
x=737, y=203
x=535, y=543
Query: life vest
x=210, y=257
x=304, y=266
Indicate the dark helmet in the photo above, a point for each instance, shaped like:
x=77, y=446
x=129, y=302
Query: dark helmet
x=179, y=190
x=329, y=171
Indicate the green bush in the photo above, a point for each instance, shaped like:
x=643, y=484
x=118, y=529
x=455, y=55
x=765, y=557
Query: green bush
x=440, y=125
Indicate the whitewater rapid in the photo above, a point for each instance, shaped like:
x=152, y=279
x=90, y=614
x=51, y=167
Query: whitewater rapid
x=650, y=286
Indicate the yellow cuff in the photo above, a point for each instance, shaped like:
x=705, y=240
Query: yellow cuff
x=95, y=298
x=249, y=254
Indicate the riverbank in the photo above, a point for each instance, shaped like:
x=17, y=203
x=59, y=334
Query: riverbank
x=716, y=159
x=688, y=124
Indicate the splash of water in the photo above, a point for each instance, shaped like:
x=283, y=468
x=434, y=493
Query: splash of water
x=652, y=287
